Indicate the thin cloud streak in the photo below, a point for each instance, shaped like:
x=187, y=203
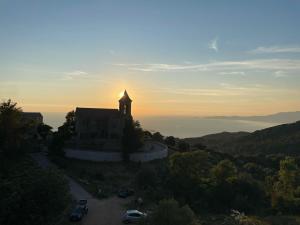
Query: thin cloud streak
x=233, y=73
x=228, y=90
x=221, y=66
x=74, y=75
x=280, y=74
x=214, y=44
x=275, y=49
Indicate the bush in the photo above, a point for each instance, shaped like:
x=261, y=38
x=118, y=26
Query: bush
x=168, y=212
x=183, y=146
x=33, y=197
x=146, y=178
x=170, y=140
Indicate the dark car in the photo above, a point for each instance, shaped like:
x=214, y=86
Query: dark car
x=124, y=193
x=83, y=205
x=76, y=214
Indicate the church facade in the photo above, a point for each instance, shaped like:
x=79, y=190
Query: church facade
x=100, y=128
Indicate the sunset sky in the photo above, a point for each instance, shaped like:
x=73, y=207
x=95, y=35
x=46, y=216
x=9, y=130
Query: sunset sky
x=193, y=58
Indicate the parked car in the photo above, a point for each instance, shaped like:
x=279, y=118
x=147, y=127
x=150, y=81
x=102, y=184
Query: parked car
x=76, y=214
x=132, y=216
x=83, y=205
x=124, y=193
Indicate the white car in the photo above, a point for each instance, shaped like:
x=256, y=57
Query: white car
x=131, y=216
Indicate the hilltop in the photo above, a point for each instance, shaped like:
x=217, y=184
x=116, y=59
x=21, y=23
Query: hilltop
x=278, y=139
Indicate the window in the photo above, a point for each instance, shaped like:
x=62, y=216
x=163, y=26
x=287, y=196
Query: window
x=125, y=109
x=135, y=215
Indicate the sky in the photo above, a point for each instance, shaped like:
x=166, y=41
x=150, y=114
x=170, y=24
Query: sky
x=175, y=58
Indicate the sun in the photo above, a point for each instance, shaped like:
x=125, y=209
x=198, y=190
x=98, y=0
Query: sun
x=121, y=94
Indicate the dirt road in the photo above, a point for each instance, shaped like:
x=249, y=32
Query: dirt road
x=101, y=212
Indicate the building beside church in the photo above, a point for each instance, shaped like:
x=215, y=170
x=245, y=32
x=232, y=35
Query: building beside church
x=32, y=117
x=100, y=128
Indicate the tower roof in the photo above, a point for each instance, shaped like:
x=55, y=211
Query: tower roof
x=125, y=97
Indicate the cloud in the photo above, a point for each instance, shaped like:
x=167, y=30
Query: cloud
x=233, y=73
x=276, y=49
x=218, y=66
x=280, y=74
x=74, y=75
x=213, y=44
x=228, y=90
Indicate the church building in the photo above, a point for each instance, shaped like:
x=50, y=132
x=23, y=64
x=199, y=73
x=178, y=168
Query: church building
x=100, y=128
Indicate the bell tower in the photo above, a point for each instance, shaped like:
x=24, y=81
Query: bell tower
x=125, y=105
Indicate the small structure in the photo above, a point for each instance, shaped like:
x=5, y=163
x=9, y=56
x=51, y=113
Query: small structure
x=100, y=128
x=32, y=117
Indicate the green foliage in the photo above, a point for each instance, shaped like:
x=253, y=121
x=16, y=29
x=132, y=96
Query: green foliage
x=64, y=133
x=158, y=137
x=56, y=147
x=132, y=138
x=170, y=140
x=237, y=218
x=224, y=171
x=168, y=212
x=285, y=195
x=30, y=195
x=44, y=130
x=16, y=135
x=206, y=184
x=183, y=146
x=10, y=128
x=146, y=178
x=200, y=146
x=67, y=130
x=191, y=166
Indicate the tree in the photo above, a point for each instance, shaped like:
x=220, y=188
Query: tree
x=189, y=166
x=189, y=177
x=284, y=195
x=200, y=146
x=56, y=147
x=132, y=138
x=33, y=197
x=224, y=171
x=147, y=134
x=67, y=130
x=170, y=140
x=64, y=133
x=11, y=130
x=146, y=178
x=44, y=130
x=168, y=212
x=158, y=137
x=183, y=146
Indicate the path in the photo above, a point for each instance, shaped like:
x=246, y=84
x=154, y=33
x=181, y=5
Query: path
x=101, y=212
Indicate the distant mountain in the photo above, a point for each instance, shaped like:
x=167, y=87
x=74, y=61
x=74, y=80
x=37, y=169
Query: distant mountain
x=279, y=139
x=282, y=117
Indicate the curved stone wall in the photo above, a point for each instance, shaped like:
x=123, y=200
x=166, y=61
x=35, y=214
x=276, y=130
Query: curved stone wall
x=151, y=151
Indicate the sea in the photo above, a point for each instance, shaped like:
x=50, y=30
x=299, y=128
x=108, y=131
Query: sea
x=180, y=126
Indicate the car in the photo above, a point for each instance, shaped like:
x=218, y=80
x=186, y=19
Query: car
x=132, y=216
x=83, y=205
x=76, y=214
x=124, y=193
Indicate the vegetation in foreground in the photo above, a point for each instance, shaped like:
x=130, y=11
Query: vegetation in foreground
x=210, y=183
x=29, y=195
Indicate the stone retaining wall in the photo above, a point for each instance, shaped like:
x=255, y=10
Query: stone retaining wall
x=152, y=150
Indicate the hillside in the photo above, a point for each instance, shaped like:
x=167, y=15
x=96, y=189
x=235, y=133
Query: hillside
x=279, y=139
x=216, y=141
